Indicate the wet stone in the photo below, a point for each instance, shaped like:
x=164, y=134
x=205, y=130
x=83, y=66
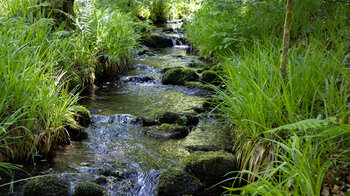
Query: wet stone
x=168, y=68
x=46, y=186
x=179, y=76
x=97, y=119
x=210, y=167
x=125, y=119
x=86, y=188
x=167, y=131
x=140, y=67
x=208, y=137
x=176, y=181
x=196, y=65
x=157, y=41
x=138, y=79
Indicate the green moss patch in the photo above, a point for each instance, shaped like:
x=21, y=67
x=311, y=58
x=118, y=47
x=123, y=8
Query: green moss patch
x=176, y=181
x=82, y=115
x=210, y=167
x=46, y=186
x=88, y=189
x=179, y=76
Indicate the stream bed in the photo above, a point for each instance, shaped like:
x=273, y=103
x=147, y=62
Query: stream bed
x=117, y=153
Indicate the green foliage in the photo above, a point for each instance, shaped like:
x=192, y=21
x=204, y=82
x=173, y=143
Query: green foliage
x=298, y=170
x=312, y=102
x=34, y=98
x=219, y=28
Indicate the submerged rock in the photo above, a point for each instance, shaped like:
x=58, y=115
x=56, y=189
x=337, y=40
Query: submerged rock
x=86, y=188
x=179, y=76
x=46, y=186
x=167, y=131
x=176, y=181
x=210, y=167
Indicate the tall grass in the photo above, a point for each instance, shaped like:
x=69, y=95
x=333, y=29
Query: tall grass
x=31, y=92
x=38, y=59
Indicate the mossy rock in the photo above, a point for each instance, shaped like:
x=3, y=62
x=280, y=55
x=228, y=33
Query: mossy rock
x=167, y=131
x=86, y=188
x=168, y=68
x=196, y=65
x=179, y=76
x=210, y=167
x=191, y=119
x=198, y=85
x=81, y=115
x=176, y=181
x=157, y=41
x=145, y=51
x=208, y=136
x=46, y=186
x=75, y=130
x=210, y=77
x=157, y=117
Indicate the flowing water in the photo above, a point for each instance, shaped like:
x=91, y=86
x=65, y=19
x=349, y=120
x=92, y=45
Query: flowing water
x=117, y=148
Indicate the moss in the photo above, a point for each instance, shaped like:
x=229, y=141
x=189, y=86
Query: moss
x=167, y=131
x=210, y=166
x=82, y=115
x=194, y=85
x=176, y=181
x=196, y=65
x=46, y=186
x=86, y=188
x=75, y=130
x=172, y=128
x=198, y=85
x=157, y=117
x=179, y=76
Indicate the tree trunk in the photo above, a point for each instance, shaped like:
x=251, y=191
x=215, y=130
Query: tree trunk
x=286, y=36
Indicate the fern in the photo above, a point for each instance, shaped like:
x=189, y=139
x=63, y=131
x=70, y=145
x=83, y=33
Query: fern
x=306, y=124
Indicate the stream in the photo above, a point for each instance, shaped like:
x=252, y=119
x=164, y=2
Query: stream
x=117, y=153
